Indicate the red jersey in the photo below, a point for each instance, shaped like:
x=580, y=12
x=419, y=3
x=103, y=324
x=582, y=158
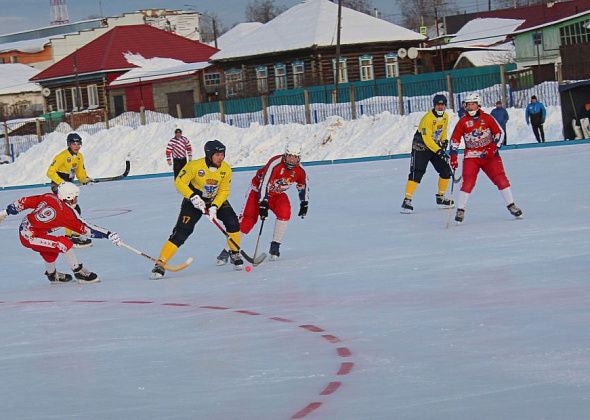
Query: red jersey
x=51, y=213
x=479, y=132
x=276, y=178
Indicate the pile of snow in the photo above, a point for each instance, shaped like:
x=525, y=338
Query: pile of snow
x=14, y=78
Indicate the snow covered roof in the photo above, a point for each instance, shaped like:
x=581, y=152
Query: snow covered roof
x=483, y=32
x=235, y=34
x=28, y=46
x=155, y=68
x=314, y=23
x=486, y=57
x=14, y=78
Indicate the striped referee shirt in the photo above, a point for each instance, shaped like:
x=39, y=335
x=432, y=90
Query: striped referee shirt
x=179, y=148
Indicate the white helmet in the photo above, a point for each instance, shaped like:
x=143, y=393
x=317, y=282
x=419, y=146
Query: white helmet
x=472, y=97
x=66, y=191
x=293, y=148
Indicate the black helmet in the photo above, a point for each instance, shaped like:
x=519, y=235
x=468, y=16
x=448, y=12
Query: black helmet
x=439, y=99
x=212, y=147
x=74, y=138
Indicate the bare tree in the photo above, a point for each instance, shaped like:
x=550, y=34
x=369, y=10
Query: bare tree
x=364, y=6
x=262, y=11
x=207, y=32
x=416, y=13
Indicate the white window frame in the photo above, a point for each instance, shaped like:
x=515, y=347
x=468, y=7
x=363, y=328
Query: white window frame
x=343, y=77
x=366, y=68
x=212, y=79
x=75, y=105
x=262, y=79
x=233, y=82
x=298, y=68
x=93, y=101
x=391, y=66
x=280, y=77
x=60, y=100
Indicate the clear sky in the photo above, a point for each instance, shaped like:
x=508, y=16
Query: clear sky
x=19, y=15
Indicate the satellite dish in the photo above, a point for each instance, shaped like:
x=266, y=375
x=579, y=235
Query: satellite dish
x=401, y=53
x=412, y=53
x=46, y=92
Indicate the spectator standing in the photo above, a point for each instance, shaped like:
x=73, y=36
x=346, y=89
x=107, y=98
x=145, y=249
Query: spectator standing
x=501, y=116
x=535, y=114
x=178, y=152
x=585, y=121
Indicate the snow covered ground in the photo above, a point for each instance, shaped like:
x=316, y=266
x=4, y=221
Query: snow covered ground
x=370, y=314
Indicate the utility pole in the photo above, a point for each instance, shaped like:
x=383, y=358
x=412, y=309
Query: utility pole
x=214, y=24
x=338, y=50
x=442, y=64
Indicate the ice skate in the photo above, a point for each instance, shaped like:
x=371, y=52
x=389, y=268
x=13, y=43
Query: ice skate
x=57, y=277
x=223, y=257
x=443, y=202
x=85, y=276
x=515, y=211
x=460, y=215
x=407, y=208
x=236, y=260
x=80, y=241
x=274, y=251
x=157, y=272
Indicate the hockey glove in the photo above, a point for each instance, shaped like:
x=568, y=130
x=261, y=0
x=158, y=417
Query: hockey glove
x=263, y=209
x=11, y=209
x=115, y=239
x=89, y=181
x=303, y=209
x=3, y=215
x=442, y=153
x=454, y=162
x=212, y=213
x=198, y=203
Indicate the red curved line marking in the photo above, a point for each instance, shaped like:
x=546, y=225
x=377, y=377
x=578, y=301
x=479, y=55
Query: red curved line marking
x=221, y=308
x=331, y=388
x=176, y=304
x=90, y=301
x=246, y=312
x=311, y=328
x=137, y=301
x=37, y=301
x=345, y=368
x=310, y=407
x=278, y=318
x=331, y=338
x=344, y=352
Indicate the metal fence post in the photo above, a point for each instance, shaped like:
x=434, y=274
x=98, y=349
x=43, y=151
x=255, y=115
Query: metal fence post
x=142, y=115
x=106, y=119
x=222, y=111
x=264, y=110
x=352, y=102
x=38, y=129
x=307, y=106
x=503, y=83
x=400, y=96
x=450, y=90
x=6, y=139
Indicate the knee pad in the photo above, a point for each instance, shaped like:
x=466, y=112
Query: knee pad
x=416, y=175
x=232, y=224
x=179, y=236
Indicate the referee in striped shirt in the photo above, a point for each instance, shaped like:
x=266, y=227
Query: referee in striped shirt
x=178, y=152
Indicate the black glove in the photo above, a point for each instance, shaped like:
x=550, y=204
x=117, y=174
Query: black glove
x=444, y=144
x=303, y=209
x=263, y=209
x=443, y=154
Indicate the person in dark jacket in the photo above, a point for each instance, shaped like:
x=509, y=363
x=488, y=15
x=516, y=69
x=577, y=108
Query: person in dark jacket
x=535, y=114
x=501, y=116
x=461, y=111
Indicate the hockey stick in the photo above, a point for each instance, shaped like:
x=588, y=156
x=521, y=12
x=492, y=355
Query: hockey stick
x=248, y=258
x=453, y=198
x=258, y=239
x=172, y=268
x=115, y=178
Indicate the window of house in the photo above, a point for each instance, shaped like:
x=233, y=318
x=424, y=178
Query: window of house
x=93, y=101
x=262, y=79
x=77, y=102
x=60, y=100
x=212, y=79
x=391, y=65
x=233, y=82
x=343, y=78
x=576, y=33
x=298, y=73
x=14, y=59
x=280, y=76
x=366, y=67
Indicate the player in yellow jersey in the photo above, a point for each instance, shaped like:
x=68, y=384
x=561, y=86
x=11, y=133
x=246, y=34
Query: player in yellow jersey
x=205, y=185
x=65, y=167
x=429, y=145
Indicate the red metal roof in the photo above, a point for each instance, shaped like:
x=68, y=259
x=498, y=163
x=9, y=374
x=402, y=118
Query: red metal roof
x=105, y=53
x=539, y=14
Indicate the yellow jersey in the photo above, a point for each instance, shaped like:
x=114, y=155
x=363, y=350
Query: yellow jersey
x=66, y=166
x=433, y=130
x=212, y=185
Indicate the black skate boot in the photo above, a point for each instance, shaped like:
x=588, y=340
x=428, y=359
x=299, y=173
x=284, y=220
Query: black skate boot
x=80, y=241
x=274, y=251
x=157, y=272
x=444, y=202
x=515, y=211
x=460, y=215
x=85, y=276
x=407, y=207
x=236, y=260
x=223, y=257
x=57, y=277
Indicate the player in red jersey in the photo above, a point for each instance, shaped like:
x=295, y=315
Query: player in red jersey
x=268, y=192
x=53, y=211
x=483, y=138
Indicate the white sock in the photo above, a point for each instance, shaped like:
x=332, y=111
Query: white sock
x=463, y=198
x=280, y=229
x=507, y=194
x=71, y=257
x=50, y=267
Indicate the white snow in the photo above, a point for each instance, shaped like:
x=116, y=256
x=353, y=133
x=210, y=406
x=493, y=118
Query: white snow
x=335, y=138
x=486, y=320
x=14, y=78
x=155, y=68
x=504, y=53
x=483, y=32
x=26, y=46
x=314, y=23
x=235, y=34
